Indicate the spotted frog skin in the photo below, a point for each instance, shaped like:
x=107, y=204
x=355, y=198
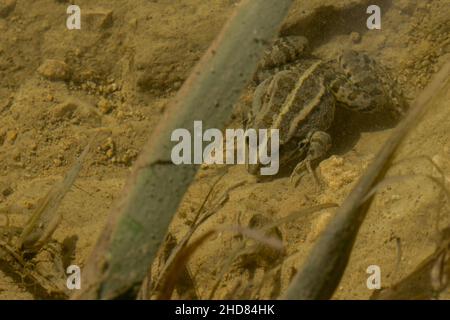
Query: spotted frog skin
x=297, y=94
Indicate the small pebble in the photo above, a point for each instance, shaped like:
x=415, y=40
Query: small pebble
x=104, y=106
x=355, y=37
x=54, y=70
x=11, y=136
x=6, y=7
x=7, y=191
x=65, y=109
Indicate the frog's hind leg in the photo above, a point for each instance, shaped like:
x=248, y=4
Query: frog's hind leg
x=282, y=54
x=284, y=50
x=317, y=143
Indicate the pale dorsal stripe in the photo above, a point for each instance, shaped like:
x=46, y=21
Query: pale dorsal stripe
x=289, y=100
x=306, y=111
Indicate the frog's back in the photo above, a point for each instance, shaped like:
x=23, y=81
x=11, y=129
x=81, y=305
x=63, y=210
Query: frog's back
x=295, y=101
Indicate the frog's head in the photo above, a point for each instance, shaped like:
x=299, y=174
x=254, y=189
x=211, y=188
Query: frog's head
x=377, y=91
x=354, y=63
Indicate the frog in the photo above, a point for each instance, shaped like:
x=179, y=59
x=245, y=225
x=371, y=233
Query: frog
x=298, y=93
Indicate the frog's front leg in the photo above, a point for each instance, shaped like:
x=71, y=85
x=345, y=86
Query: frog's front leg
x=317, y=144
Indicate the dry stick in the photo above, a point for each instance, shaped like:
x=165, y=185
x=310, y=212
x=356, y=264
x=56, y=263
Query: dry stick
x=198, y=220
x=178, y=246
x=10, y=258
x=180, y=260
x=138, y=223
x=225, y=266
x=327, y=261
x=40, y=228
x=197, y=223
x=427, y=280
x=241, y=249
x=46, y=218
x=297, y=214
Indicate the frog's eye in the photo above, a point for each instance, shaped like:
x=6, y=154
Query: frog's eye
x=302, y=145
x=366, y=59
